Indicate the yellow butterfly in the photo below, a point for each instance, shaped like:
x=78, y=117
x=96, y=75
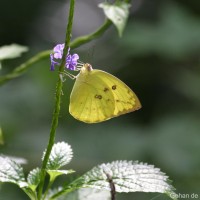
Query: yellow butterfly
x=98, y=96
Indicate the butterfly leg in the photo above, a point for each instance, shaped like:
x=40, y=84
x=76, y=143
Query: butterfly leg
x=66, y=74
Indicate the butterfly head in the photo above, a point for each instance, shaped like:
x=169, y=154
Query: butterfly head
x=86, y=68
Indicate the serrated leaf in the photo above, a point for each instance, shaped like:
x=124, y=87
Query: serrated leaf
x=61, y=155
x=54, y=173
x=34, y=178
x=128, y=177
x=118, y=13
x=12, y=172
x=12, y=51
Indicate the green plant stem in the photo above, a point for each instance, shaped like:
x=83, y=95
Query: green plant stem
x=58, y=100
x=51, y=181
x=87, y=38
x=24, y=67
x=32, y=195
x=44, y=54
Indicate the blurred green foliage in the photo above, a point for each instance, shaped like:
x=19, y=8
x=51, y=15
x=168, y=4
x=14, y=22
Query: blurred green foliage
x=158, y=57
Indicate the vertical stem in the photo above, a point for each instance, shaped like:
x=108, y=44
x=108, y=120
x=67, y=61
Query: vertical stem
x=57, y=100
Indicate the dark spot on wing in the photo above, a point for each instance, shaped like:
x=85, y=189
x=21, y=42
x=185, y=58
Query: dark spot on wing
x=105, y=89
x=114, y=87
x=98, y=96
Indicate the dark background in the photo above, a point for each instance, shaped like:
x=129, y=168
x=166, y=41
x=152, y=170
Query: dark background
x=158, y=57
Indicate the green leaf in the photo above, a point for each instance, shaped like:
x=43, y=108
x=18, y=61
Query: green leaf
x=34, y=178
x=11, y=171
x=12, y=51
x=55, y=173
x=61, y=155
x=118, y=13
x=128, y=177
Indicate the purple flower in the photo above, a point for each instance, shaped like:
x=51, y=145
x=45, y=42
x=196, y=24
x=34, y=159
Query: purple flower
x=53, y=63
x=71, y=61
x=58, y=51
x=56, y=56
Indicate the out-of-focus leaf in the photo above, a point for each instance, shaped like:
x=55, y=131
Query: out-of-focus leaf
x=12, y=51
x=117, y=13
x=176, y=34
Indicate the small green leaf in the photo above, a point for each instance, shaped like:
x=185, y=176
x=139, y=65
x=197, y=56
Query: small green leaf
x=55, y=173
x=118, y=13
x=34, y=178
x=128, y=177
x=12, y=51
x=61, y=155
x=12, y=172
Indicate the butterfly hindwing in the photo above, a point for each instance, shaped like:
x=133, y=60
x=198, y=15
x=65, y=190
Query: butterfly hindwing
x=125, y=99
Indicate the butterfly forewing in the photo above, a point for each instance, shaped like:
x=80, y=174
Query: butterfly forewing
x=89, y=102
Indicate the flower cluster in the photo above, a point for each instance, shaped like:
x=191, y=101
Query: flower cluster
x=56, y=56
